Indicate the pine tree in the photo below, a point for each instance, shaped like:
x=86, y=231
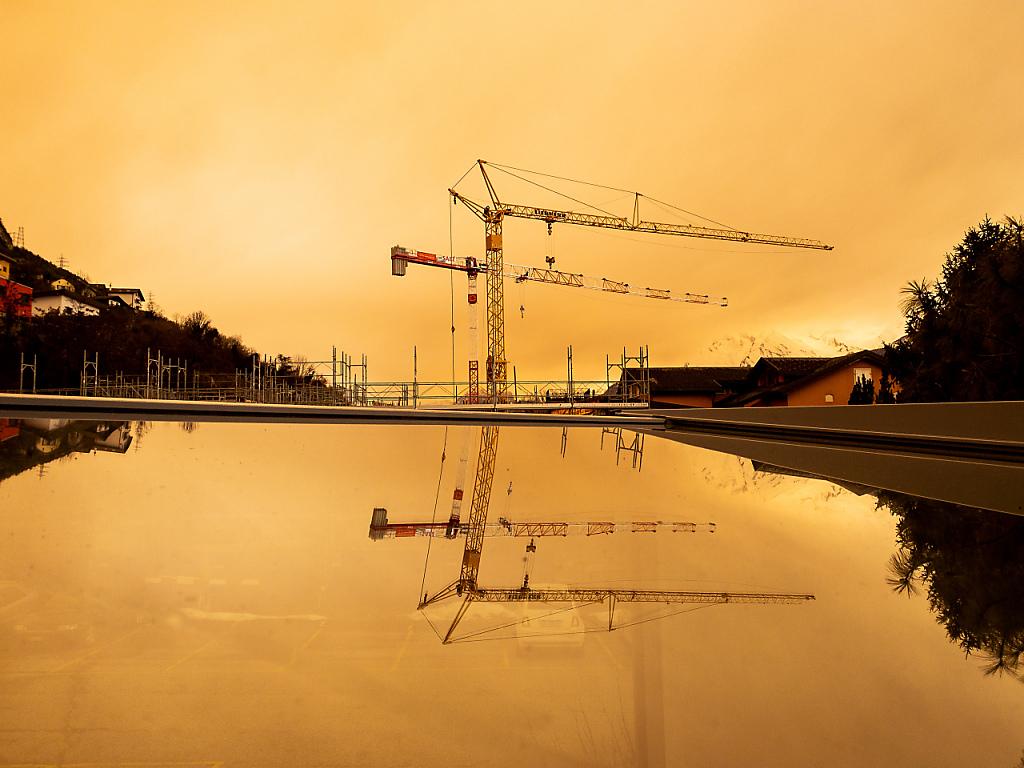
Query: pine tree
x=885, y=393
x=964, y=338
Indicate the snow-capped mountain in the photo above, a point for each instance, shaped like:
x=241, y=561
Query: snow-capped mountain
x=746, y=349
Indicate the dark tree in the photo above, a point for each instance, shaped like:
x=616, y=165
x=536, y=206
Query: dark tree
x=970, y=564
x=965, y=332
x=885, y=394
x=199, y=327
x=965, y=341
x=121, y=337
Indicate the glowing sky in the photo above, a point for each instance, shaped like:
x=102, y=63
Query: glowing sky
x=258, y=160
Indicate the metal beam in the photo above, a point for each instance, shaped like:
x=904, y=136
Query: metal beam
x=557, y=216
x=124, y=409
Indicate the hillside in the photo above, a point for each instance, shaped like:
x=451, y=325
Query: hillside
x=120, y=334
x=37, y=273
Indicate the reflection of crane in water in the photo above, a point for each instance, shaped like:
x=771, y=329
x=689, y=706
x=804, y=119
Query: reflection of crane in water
x=579, y=597
x=380, y=528
x=492, y=214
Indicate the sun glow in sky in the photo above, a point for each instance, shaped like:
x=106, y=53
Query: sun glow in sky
x=258, y=160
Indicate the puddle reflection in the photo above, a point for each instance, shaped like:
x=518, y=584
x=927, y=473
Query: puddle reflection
x=214, y=595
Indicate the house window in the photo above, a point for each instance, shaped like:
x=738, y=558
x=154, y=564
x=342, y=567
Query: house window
x=858, y=372
x=829, y=398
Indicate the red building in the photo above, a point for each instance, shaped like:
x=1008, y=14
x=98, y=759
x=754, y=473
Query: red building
x=15, y=298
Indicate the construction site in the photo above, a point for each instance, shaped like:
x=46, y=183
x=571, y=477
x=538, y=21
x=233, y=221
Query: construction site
x=493, y=393
x=492, y=382
x=499, y=386
x=538, y=384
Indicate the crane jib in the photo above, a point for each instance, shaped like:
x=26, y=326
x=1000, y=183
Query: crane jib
x=402, y=257
x=551, y=216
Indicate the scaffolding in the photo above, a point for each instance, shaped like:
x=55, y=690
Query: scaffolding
x=632, y=379
x=343, y=380
x=32, y=368
x=90, y=374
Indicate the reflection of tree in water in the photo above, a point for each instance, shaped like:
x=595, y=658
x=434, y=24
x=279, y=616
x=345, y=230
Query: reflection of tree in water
x=971, y=563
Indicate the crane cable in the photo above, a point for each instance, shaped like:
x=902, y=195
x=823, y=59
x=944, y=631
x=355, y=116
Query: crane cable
x=463, y=176
x=444, y=445
x=507, y=168
x=476, y=637
x=433, y=515
x=556, y=192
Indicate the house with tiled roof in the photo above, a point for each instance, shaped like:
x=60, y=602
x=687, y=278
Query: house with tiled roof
x=807, y=380
x=694, y=387
x=770, y=381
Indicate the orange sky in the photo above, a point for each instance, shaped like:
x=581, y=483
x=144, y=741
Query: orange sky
x=257, y=161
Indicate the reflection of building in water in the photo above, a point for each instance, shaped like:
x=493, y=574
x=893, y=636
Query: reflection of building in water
x=29, y=443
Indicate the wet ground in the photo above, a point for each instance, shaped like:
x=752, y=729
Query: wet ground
x=212, y=597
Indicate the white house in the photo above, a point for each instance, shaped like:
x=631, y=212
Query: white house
x=115, y=439
x=62, y=301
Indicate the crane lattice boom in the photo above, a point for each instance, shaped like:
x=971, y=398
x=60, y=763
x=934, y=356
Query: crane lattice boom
x=555, y=216
x=582, y=596
x=579, y=597
x=381, y=528
x=402, y=257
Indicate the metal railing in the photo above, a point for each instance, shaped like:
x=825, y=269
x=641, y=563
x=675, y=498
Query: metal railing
x=408, y=394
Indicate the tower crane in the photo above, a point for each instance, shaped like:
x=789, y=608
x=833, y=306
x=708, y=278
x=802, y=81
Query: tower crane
x=402, y=257
x=380, y=528
x=493, y=213
x=583, y=596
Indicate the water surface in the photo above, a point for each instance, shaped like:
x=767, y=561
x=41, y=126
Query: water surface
x=212, y=596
